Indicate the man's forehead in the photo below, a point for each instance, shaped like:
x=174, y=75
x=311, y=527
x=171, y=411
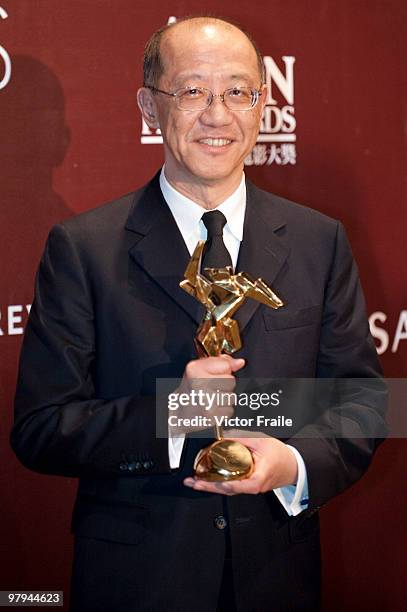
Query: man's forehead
x=209, y=26
x=217, y=43
x=201, y=31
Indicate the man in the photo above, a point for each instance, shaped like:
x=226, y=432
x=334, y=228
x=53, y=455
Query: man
x=109, y=318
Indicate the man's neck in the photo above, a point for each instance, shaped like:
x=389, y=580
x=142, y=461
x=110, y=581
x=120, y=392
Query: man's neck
x=207, y=195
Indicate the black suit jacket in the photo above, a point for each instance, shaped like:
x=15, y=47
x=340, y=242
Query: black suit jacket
x=108, y=319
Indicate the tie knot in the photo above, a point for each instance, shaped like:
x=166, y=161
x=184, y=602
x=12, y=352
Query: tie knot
x=214, y=222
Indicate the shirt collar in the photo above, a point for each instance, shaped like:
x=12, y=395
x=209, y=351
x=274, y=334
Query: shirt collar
x=188, y=213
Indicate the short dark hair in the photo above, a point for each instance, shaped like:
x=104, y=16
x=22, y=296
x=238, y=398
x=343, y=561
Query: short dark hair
x=152, y=62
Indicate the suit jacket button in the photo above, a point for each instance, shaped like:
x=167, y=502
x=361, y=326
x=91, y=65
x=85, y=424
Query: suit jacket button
x=220, y=522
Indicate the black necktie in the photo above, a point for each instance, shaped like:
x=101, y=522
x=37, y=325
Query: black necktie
x=215, y=254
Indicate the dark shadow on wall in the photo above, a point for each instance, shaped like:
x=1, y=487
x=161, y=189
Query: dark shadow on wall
x=34, y=139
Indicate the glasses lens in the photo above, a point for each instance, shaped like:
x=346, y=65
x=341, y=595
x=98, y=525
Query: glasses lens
x=192, y=98
x=240, y=98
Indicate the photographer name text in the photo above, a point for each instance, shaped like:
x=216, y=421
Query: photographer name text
x=229, y=422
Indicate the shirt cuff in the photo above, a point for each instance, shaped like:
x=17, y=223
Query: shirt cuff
x=294, y=498
x=175, y=446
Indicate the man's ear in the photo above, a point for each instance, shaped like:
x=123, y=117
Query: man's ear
x=263, y=97
x=147, y=105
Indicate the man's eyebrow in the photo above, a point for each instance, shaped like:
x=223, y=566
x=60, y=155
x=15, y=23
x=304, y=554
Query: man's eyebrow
x=242, y=76
x=191, y=76
x=187, y=76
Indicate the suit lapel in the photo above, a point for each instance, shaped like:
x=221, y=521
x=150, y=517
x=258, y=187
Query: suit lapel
x=262, y=254
x=159, y=247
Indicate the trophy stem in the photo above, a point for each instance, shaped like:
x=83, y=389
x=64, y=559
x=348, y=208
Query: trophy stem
x=218, y=432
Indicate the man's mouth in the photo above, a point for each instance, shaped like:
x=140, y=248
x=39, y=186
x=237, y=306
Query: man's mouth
x=215, y=142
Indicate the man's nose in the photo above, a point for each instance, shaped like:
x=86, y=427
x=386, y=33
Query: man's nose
x=217, y=113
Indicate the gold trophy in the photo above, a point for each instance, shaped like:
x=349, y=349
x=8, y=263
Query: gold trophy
x=222, y=293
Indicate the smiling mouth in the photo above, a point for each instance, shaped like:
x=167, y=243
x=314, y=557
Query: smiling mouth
x=215, y=142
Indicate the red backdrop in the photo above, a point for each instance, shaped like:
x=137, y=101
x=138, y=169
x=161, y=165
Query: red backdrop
x=70, y=139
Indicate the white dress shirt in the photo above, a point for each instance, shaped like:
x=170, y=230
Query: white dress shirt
x=188, y=217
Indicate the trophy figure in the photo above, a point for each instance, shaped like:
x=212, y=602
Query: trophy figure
x=222, y=293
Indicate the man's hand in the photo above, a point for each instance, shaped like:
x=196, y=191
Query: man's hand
x=275, y=466
x=209, y=377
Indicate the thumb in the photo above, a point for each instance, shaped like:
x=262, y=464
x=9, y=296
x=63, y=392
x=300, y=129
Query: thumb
x=237, y=364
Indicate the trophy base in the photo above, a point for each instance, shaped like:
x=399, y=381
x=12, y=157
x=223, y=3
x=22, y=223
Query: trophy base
x=224, y=460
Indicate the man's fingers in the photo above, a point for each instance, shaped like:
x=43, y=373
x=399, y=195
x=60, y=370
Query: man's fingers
x=250, y=485
x=240, y=435
x=213, y=366
x=256, y=443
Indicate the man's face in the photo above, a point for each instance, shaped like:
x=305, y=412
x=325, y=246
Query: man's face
x=207, y=146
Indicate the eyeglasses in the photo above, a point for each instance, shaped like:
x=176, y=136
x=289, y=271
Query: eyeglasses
x=200, y=98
